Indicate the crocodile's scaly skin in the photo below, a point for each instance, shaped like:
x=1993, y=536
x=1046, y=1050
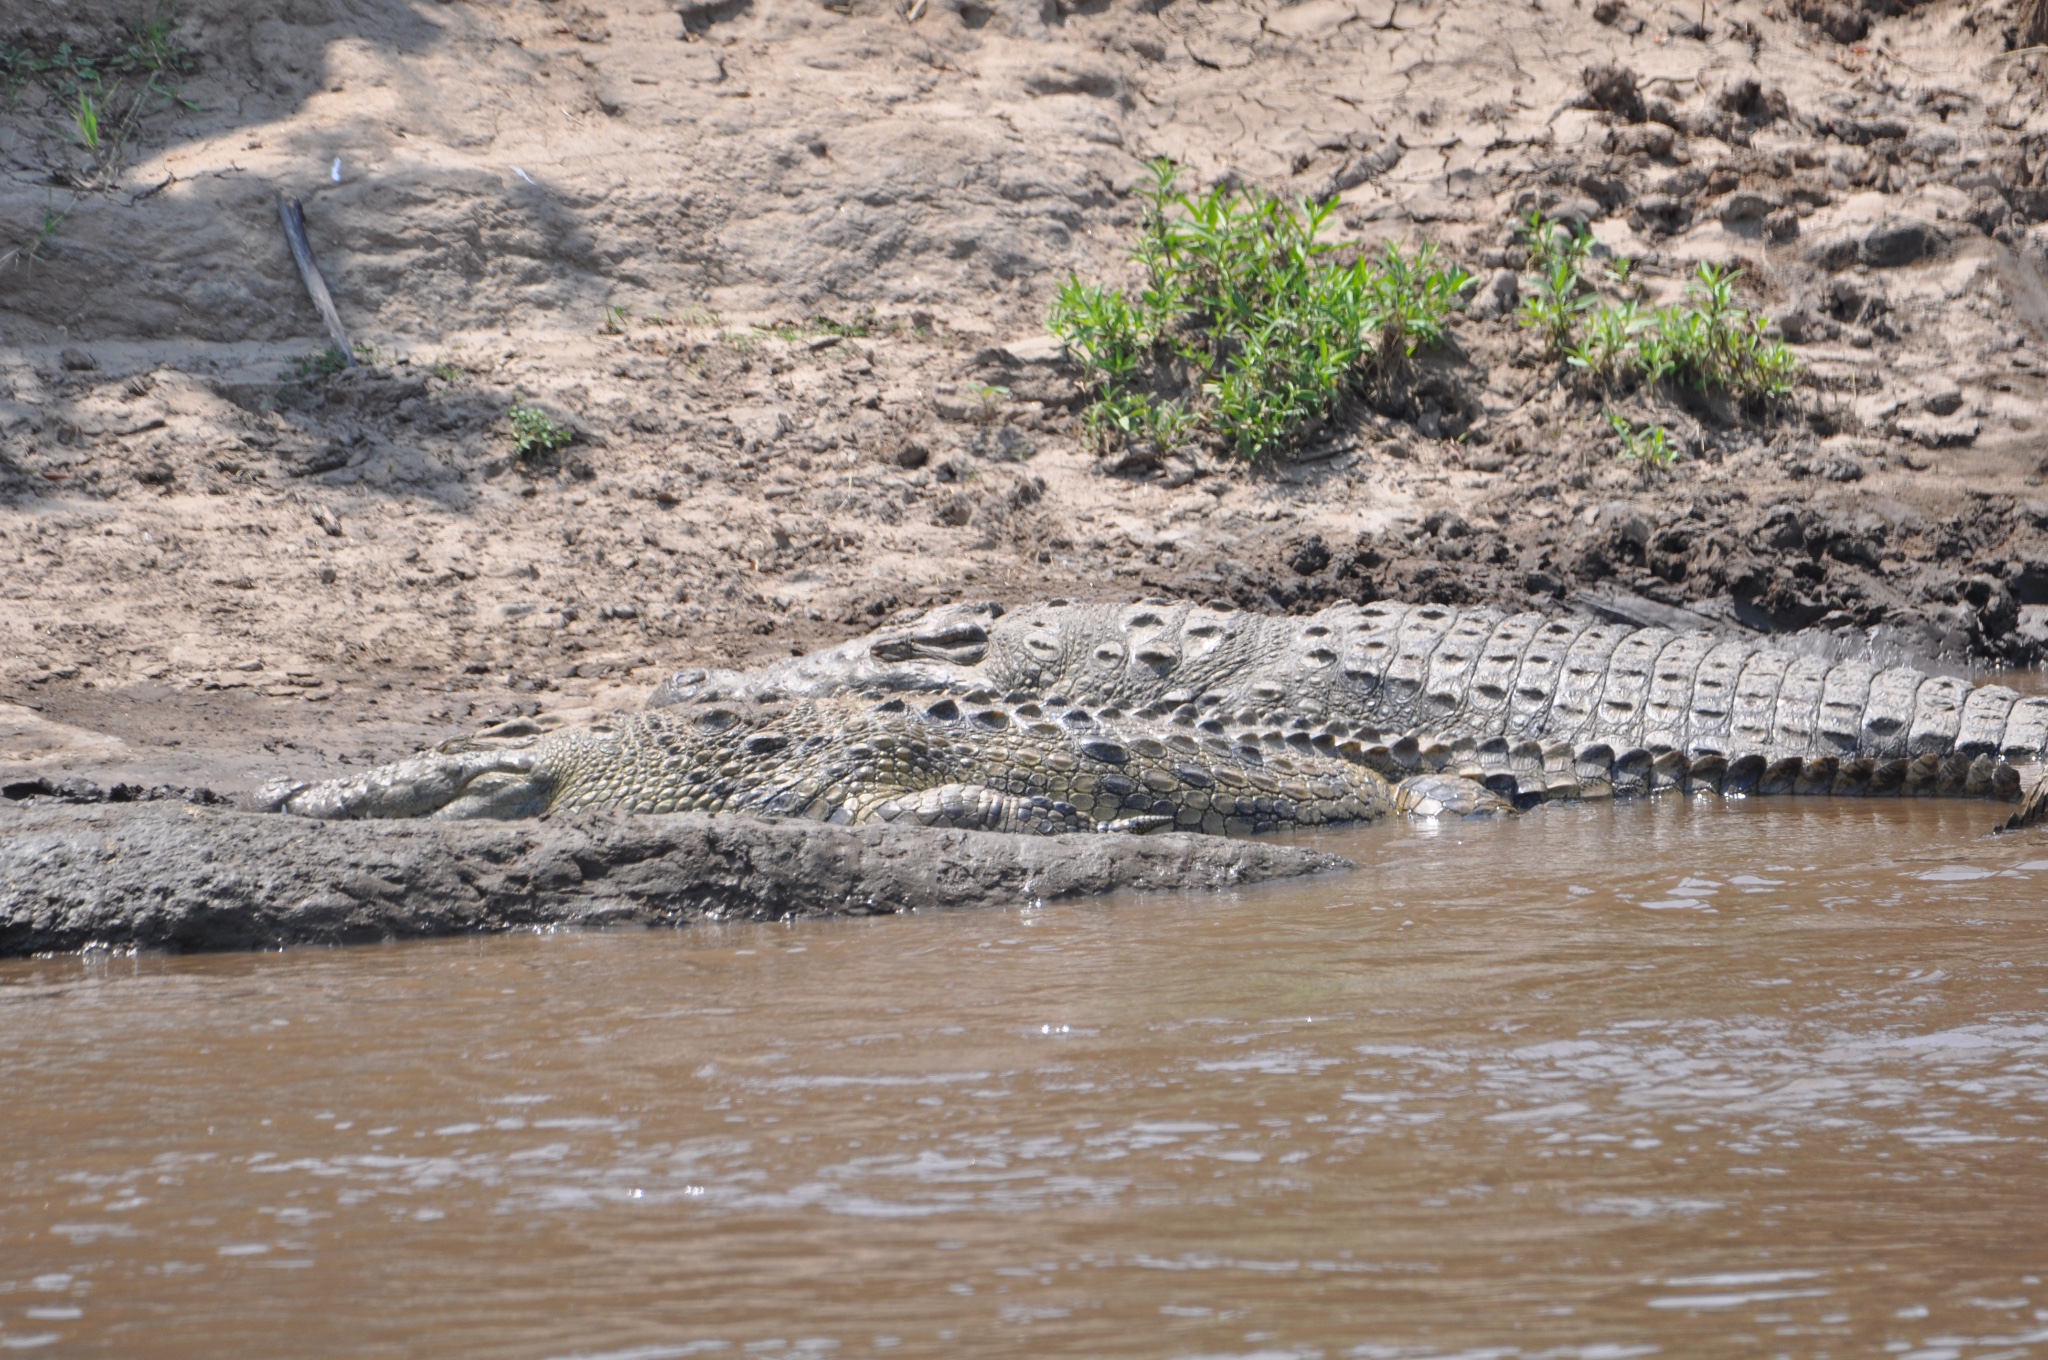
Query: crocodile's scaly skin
x=968, y=762
x=1530, y=704
x=1136, y=717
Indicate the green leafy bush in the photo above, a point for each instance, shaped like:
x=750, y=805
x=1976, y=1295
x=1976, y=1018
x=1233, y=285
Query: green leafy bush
x=1250, y=325
x=533, y=433
x=1708, y=343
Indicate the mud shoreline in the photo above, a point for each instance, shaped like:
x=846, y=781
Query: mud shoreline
x=784, y=273
x=170, y=876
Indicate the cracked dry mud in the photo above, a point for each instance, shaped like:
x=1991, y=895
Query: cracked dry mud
x=213, y=569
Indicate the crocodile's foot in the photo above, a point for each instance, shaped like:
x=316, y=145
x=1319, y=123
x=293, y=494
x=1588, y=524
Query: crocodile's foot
x=1444, y=795
x=2033, y=808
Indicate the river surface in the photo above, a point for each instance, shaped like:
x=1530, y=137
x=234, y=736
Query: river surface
x=1683, y=1078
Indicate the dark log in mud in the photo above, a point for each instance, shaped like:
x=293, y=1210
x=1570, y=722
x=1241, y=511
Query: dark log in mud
x=161, y=876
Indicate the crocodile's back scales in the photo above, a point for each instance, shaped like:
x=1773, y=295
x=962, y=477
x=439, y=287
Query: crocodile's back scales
x=1498, y=695
x=1156, y=714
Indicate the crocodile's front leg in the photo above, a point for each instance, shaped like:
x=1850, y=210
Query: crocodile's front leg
x=2033, y=808
x=1446, y=795
x=979, y=808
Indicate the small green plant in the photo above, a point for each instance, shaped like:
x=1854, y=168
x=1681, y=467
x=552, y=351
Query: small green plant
x=1712, y=343
x=88, y=122
x=329, y=360
x=1708, y=343
x=18, y=66
x=615, y=319
x=988, y=400
x=1605, y=351
x=450, y=372
x=28, y=247
x=1562, y=295
x=1249, y=324
x=533, y=433
x=103, y=96
x=862, y=324
x=1649, y=448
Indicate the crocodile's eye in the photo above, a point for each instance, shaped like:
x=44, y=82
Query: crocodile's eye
x=714, y=720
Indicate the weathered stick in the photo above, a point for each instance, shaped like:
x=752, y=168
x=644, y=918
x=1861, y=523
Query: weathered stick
x=295, y=233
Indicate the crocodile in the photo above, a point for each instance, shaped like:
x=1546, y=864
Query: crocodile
x=1166, y=715
x=968, y=762
x=1533, y=706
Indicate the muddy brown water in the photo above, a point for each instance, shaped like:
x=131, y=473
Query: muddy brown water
x=1679, y=1078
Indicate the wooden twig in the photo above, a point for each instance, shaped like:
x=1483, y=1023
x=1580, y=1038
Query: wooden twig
x=295, y=233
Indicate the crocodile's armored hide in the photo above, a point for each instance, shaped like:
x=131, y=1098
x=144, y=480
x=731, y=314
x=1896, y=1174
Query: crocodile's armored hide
x=966, y=762
x=1529, y=703
x=1157, y=715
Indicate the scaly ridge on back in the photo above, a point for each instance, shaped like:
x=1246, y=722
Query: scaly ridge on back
x=1653, y=708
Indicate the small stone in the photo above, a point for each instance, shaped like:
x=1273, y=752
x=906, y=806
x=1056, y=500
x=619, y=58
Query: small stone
x=2032, y=625
x=1940, y=432
x=1643, y=139
x=1898, y=241
x=77, y=360
x=1801, y=325
x=912, y=455
x=1309, y=557
x=1744, y=207
x=1943, y=401
x=1661, y=214
x=1833, y=253
x=1500, y=295
x=1576, y=215
x=1612, y=89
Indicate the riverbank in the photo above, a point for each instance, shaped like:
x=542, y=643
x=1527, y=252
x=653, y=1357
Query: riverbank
x=170, y=876
x=781, y=276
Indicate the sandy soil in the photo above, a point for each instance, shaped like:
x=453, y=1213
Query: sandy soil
x=831, y=234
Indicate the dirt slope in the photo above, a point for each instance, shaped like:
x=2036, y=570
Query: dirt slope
x=785, y=267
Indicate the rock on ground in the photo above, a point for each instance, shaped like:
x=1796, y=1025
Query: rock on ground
x=184, y=878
